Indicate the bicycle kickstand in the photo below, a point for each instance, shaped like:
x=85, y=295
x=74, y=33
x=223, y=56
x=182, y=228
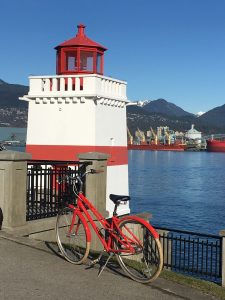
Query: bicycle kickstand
x=101, y=269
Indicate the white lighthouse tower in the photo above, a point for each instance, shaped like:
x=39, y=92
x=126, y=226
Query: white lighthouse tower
x=80, y=110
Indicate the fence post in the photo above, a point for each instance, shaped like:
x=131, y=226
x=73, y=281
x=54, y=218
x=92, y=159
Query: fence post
x=166, y=243
x=222, y=234
x=13, y=178
x=96, y=186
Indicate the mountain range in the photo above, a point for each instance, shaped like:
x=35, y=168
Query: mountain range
x=13, y=113
x=9, y=94
x=163, y=113
x=160, y=112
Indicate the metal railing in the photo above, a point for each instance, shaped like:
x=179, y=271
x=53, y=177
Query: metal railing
x=45, y=195
x=192, y=253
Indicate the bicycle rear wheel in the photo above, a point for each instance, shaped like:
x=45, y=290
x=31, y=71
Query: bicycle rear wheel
x=73, y=245
x=146, y=264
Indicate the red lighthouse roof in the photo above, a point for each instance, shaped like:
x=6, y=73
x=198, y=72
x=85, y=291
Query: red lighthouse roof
x=81, y=40
x=80, y=55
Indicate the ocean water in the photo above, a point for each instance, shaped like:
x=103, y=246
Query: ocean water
x=182, y=190
x=7, y=132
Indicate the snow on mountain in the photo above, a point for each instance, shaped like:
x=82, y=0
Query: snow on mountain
x=200, y=113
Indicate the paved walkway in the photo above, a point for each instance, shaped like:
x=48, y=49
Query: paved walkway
x=31, y=270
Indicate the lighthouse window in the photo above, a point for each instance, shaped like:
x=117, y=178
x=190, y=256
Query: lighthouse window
x=99, y=62
x=71, y=61
x=86, y=61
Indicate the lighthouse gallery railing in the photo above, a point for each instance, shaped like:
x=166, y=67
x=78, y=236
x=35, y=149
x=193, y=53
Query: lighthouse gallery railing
x=77, y=86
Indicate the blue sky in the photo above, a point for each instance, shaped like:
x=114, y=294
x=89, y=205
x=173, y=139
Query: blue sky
x=171, y=49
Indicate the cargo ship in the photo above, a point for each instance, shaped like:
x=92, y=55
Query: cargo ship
x=157, y=147
x=214, y=145
x=162, y=141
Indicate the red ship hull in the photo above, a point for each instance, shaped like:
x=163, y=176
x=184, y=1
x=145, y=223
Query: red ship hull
x=159, y=147
x=215, y=145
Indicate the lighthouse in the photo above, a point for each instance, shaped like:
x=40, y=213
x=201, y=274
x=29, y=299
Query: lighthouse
x=80, y=110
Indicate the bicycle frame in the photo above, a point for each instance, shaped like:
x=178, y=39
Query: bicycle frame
x=115, y=236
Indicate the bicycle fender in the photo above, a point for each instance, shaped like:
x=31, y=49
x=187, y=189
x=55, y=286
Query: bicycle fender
x=87, y=229
x=142, y=221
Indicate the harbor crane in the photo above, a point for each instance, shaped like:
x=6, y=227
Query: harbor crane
x=154, y=135
x=140, y=134
x=130, y=137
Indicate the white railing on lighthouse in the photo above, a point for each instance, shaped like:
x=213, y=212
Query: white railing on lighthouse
x=77, y=85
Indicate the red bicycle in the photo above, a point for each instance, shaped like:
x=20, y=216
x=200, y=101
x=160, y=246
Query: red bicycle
x=132, y=240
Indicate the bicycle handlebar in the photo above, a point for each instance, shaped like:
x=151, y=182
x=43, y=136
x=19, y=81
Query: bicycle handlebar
x=93, y=171
x=79, y=178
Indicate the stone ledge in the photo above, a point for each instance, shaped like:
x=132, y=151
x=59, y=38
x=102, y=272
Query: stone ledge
x=7, y=155
x=144, y=215
x=222, y=232
x=93, y=156
x=32, y=227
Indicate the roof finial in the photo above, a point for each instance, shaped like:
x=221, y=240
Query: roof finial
x=81, y=29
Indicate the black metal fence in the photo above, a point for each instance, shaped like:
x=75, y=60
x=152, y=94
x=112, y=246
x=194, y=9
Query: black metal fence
x=192, y=253
x=45, y=193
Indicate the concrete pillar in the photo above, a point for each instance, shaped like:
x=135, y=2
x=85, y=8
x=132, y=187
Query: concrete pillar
x=96, y=183
x=96, y=188
x=222, y=233
x=13, y=178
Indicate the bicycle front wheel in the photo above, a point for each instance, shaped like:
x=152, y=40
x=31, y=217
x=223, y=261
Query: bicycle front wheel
x=146, y=263
x=73, y=243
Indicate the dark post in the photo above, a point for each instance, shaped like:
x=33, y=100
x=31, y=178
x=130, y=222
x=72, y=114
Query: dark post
x=222, y=233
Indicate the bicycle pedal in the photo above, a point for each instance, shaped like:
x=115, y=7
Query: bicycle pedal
x=95, y=261
x=92, y=263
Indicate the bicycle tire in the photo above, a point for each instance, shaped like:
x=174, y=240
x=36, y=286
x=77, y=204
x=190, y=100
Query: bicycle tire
x=146, y=265
x=73, y=246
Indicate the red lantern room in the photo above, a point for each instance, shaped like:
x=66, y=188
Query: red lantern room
x=80, y=55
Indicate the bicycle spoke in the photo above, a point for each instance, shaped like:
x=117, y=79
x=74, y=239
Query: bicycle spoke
x=72, y=240
x=145, y=264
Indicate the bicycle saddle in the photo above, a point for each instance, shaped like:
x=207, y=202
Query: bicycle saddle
x=116, y=199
